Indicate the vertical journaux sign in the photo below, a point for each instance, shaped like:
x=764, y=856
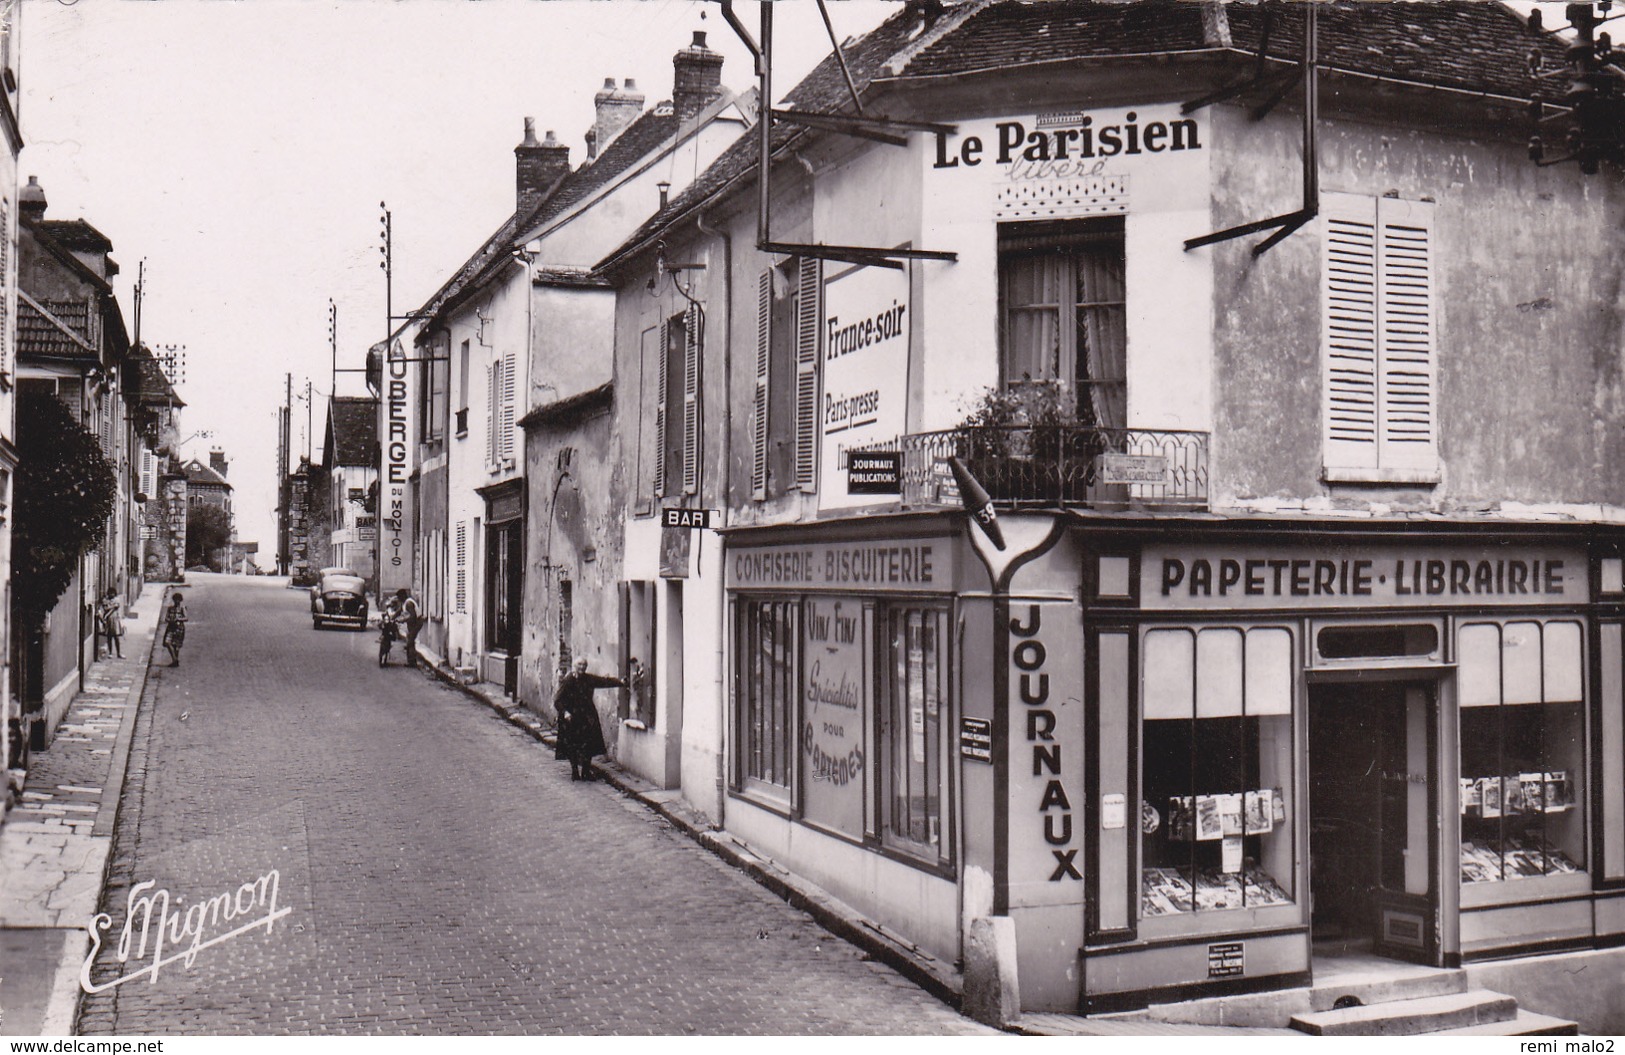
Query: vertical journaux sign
x=394, y=513
x=865, y=345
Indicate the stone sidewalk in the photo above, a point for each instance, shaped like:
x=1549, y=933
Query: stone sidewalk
x=54, y=845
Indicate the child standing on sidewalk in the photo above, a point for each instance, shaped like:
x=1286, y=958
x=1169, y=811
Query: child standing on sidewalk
x=111, y=617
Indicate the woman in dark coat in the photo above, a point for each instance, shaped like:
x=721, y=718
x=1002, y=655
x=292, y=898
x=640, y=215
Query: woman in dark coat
x=580, y=734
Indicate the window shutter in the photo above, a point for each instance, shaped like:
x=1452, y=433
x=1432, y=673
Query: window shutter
x=510, y=401
x=490, y=414
x=808, y=276
x=758, y=440
x=461, y=597
x=1350, y=331
x=693, y=348
x=660, y=408
x=1407, y=435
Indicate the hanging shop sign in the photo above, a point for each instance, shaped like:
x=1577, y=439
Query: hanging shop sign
x=677, y=517
x=394, y=510
x=835, y=689
x=880, y=565
x=865, y=348
x=1274, y=576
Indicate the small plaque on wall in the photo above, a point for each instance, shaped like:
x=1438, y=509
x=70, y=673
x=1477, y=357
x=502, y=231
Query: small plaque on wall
x=976, y=739
x=1227, y=959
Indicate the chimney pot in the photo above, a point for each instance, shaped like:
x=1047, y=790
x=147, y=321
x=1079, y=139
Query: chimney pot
x=537, y=168
x=615, y=109
x=31, y=201
x=696, y=77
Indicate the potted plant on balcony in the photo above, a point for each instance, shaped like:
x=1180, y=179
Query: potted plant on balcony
x=1027, y=443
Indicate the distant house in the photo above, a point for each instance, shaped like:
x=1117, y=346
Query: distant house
x=207, y=483
x=350, y=456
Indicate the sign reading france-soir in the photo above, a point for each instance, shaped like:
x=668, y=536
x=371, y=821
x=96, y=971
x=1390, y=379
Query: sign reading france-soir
x=1430, y=575
x=865, y=363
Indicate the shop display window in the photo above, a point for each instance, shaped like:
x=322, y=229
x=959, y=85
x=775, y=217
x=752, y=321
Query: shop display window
x=1522, y=750
x=767, y=685
x=1217, y=780
x=913, y=743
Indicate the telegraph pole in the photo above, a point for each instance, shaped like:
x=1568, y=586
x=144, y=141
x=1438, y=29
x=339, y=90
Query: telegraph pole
x=386, y=236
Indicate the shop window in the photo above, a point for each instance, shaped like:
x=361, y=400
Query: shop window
x=1063, y=317
x=638, y=631
x=767, y=682
x=1217, y=775
x=912, y=726
x=1520, y=685
x=784, y=414
x=1378, y=337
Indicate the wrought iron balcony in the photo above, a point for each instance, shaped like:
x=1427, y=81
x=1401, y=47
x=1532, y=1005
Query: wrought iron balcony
x=1051, y=466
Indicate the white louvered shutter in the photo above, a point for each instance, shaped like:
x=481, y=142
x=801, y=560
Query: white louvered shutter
x=808, y=282
x=491, y=415
x=758, y=437
x=461, y=586
x=1407, y=433
x=509, y=393
x=1350, y=331
x=693, y=346
x=660, y=408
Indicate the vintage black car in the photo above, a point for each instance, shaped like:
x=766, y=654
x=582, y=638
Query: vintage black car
x=339, y=597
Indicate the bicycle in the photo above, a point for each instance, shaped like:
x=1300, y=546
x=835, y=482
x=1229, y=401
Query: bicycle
x=388, y=632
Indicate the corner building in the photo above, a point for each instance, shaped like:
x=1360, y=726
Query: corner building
x=1303, y=634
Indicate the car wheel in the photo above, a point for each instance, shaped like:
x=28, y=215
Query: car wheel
x=315, y=622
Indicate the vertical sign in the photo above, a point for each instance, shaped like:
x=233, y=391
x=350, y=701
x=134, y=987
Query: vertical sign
x=397, y=449
x=865, y=343
x=834, y=713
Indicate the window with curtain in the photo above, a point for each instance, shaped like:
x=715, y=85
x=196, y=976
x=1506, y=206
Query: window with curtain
x=1521, y=688
x=767, y=679
x=1063, y=318
x=914, y=723
x=1216, y=815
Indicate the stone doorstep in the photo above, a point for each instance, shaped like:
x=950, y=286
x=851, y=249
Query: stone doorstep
x=1524, y=1024
x=1401, y=1018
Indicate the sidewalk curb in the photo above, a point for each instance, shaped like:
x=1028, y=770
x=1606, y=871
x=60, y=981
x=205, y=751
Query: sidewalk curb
x=939, y=979
x=62, y=1009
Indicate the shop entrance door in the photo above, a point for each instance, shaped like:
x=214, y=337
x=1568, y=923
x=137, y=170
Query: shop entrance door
x=1373, y=845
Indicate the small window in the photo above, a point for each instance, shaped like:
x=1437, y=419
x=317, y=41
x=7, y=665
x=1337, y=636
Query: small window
x=1377, y=642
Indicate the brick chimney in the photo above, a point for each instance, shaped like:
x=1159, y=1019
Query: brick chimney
x=696, y=77
x=617, y=108
x=537, y=167
x=31, y=202
x=217, y=461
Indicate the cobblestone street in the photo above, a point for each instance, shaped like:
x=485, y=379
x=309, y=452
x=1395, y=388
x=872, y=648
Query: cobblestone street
x=444, y=874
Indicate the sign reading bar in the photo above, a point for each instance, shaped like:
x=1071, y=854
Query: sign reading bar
x=1239, y=576
x=874, y=473
x=677, y=517
x=976, y=739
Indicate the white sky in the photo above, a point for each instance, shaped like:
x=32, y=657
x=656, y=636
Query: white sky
x=242, y=149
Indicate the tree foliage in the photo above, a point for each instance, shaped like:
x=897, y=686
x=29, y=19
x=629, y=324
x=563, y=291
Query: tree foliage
x=65, y=491
x=208, y=529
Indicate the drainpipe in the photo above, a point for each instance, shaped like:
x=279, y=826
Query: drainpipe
x=727, y=494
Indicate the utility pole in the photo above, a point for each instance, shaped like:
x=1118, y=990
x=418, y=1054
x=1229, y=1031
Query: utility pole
x=333, y=344
x=386, y=235
x=310, y=421
x=140, y=289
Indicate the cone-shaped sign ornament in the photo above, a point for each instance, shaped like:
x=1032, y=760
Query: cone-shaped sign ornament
x=978, y=503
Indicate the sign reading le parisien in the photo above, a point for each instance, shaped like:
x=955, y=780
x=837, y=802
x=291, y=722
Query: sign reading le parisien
x=1265, y=576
